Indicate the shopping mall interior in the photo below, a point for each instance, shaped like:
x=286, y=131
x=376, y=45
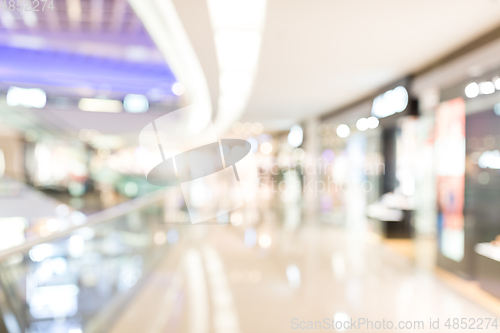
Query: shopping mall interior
x=244, y=166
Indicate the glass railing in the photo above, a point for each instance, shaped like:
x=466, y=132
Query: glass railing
x=77, y=280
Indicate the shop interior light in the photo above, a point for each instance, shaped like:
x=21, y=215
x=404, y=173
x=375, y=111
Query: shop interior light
x=362, y=124
x=489, y=159
x=100, y=105
x=237, y=27
x=296, y=136
x=266, y=148
x=372, y=122
x=265, y=241
x=293, y=276
x=487, y=88
x=29, y=98
x=135, y=103
x=472, y=90
x=496, y=81
x=343, y=131
x=391, y=102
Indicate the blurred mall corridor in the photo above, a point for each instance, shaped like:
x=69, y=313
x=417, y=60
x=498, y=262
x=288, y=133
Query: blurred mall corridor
x=242, y=166
x=222, y=280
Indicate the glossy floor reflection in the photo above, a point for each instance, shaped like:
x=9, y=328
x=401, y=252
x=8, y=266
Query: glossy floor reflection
x=225, y=279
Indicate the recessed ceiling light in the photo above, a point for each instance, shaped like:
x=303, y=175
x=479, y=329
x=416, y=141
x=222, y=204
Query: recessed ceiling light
x=100, y=105
x=472, y=90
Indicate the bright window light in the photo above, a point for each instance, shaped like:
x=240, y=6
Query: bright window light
x=343, y=131
x=100, y=105
x=472, y=90
x=29, y=98
x=487, y=88
x=135, y=103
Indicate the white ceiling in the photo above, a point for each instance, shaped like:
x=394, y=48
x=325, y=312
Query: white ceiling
x=320, y=55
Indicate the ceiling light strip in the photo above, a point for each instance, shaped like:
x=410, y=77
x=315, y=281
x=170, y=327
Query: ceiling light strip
x=237, y=27
x=165, y=28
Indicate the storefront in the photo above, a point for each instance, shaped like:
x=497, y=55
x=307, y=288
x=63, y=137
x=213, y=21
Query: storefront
x=396, y=110
x=371, y=145
x=468, y=178
x=346, y=153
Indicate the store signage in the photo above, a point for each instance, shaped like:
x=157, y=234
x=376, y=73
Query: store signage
x=390, y=102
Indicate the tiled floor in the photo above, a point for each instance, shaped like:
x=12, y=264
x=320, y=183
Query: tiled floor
x=215, y=281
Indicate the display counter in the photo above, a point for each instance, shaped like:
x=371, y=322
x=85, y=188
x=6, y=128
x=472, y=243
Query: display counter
x=488, y=267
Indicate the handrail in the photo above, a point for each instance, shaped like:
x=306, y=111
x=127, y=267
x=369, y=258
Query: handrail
x=92, y=220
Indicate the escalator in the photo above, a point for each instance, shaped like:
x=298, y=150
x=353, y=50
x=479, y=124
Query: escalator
x=77, y=279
